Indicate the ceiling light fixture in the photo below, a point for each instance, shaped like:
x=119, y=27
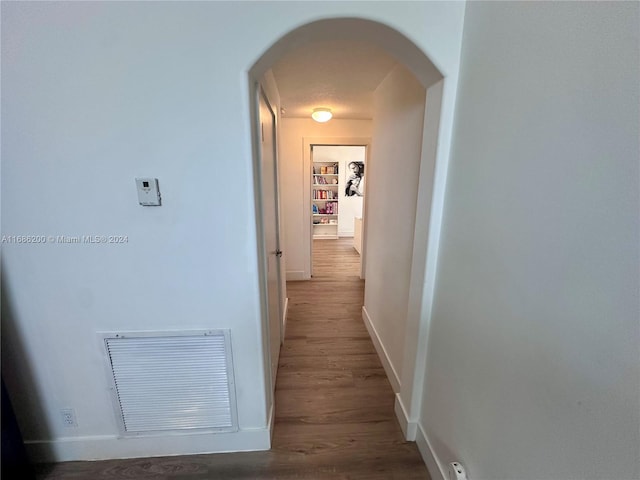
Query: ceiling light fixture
x=321, y=114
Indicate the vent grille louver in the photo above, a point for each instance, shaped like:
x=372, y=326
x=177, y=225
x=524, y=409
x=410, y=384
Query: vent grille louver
x=177, y=382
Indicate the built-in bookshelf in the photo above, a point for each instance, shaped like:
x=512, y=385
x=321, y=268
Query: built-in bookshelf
x=324, y=199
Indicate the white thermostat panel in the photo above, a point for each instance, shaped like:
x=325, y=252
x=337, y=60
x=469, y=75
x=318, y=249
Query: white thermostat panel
x=148, y=191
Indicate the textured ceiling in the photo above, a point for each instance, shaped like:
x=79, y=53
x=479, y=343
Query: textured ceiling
x=341, y=75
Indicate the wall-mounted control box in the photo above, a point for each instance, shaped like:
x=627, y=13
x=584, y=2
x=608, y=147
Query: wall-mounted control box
x=148, y=191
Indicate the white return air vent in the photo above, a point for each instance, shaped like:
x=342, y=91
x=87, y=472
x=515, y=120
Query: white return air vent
x=177, y=381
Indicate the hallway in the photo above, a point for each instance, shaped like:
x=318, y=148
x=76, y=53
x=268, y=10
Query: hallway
x=334, y=404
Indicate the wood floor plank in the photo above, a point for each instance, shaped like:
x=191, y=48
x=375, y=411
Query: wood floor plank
x=299, y=379
x=334, y=404
x=331, y=361
x=327, y=346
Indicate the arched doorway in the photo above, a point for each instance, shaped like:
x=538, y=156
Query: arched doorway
x=425, y=229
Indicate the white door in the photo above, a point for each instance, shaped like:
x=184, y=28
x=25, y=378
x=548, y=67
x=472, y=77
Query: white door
x=271, y=223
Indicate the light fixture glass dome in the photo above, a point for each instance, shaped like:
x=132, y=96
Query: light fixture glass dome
x=321, y=114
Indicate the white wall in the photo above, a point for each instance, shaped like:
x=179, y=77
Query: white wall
x=392, y=190
x=533, y=369
x=95, y=94
x=295, y=205
x=348, y=207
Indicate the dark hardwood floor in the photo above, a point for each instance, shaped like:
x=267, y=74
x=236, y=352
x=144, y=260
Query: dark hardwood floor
x=334, y=404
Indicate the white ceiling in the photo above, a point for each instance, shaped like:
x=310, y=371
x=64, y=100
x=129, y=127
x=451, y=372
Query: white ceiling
x=341, y=75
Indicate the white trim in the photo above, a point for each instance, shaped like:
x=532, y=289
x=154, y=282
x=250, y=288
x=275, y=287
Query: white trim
x=104, y=447
x=382, y=352
x=270, y=422
x=428, y=455
x=408, y=428
x=254, y=109
x=296, y=276
x=284, y=319
x=423, y=258
x=325, y=237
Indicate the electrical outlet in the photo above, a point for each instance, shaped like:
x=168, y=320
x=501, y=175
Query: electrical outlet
x=68, y=418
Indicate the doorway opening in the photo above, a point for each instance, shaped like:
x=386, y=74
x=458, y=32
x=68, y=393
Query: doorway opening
x=337, y=197
x=402, y=350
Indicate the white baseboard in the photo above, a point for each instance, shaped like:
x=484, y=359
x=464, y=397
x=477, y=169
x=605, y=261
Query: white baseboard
x=270, y=420
x=104, y=447
x=436, y=469
x=284, y=319
x=408, y=428
x=295, y=276
x=345, y=234
x=382, y=352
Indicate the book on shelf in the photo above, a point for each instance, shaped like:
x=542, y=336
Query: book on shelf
x=326, y=195
x=327, y=208
x=330, y=208
x=326, y=170
x=320, y=180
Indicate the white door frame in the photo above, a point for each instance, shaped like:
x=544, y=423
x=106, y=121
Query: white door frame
x=269, y=203
x=256, y=92
x=277, y=211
